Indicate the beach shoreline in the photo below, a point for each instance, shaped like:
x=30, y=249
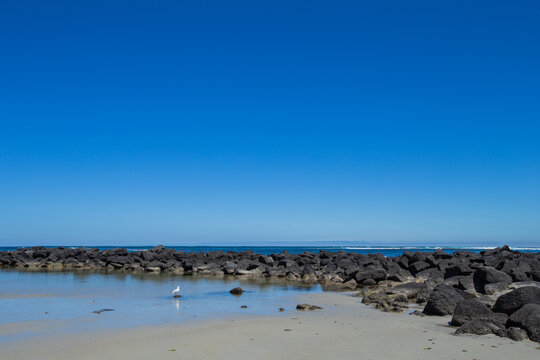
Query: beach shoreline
x=344, y=328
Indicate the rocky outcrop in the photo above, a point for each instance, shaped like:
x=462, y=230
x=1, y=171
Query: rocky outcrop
x=488, y=272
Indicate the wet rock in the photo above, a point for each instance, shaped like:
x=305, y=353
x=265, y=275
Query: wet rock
x=237, y=291
x=442, y=301
x=307, y=307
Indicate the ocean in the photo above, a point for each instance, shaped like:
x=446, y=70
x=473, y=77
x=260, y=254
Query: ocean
x=267, y=250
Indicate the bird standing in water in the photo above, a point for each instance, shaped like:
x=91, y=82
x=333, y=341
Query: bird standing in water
x=175, y=292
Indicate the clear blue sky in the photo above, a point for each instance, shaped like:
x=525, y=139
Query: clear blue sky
x=138, y=122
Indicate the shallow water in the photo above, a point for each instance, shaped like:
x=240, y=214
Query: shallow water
x=33, y=303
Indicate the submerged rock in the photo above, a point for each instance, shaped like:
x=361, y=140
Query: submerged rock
x=102, y=310
x=237, y=291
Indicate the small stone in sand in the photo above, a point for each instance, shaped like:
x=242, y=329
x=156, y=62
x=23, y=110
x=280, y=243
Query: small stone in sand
x=287, y=330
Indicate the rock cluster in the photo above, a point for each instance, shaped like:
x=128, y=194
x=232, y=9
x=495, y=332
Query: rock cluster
x=472, y=287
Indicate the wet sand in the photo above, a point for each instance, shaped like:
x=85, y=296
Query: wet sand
x=344, y=329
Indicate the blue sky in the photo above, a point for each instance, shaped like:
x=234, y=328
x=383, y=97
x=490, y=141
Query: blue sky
x=387, y=122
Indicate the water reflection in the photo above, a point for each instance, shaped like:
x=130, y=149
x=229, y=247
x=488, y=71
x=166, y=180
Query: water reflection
x=138, y=298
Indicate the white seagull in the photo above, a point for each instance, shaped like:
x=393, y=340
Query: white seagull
x=176, y=291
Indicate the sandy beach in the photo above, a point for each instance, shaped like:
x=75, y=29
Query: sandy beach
x=344, y=329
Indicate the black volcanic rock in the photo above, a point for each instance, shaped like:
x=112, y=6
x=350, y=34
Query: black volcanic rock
x=488, y=275
x=532, y=326
x=237, y=291
x=442, y=301
x=481, y=327
x=518, y=317
x=467, y=310
x=514, y=300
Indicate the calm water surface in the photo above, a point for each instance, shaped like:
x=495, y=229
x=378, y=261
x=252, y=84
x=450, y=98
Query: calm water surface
x=32, y=303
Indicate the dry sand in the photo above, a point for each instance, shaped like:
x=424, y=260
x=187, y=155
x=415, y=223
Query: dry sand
x=344, y=329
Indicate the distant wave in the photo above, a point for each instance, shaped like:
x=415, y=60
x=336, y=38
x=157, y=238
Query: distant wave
x=435, y=247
